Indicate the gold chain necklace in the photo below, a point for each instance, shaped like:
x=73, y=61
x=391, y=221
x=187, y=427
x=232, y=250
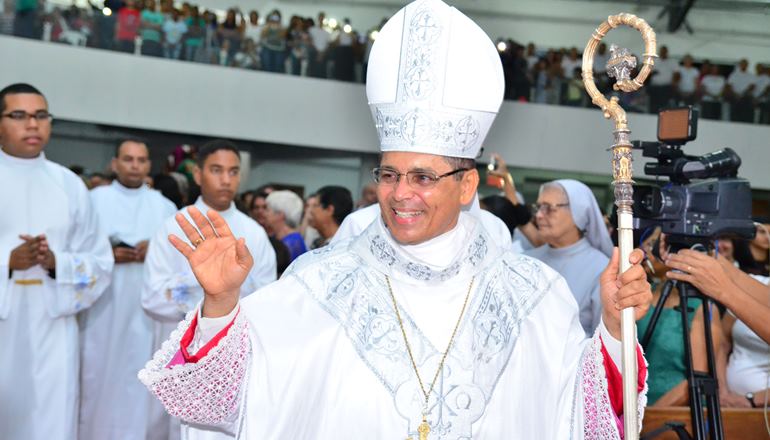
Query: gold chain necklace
x=424, y=429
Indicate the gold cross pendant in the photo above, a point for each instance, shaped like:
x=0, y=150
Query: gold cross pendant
x=423, y=429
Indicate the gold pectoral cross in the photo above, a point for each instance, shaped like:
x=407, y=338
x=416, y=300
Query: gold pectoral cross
x=423, y=429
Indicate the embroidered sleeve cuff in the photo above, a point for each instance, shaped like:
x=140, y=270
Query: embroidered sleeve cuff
x=209, y=391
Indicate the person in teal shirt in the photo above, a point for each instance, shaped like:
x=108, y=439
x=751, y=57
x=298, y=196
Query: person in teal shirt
x=151, y=30
x=667, y=380
x=196, y=29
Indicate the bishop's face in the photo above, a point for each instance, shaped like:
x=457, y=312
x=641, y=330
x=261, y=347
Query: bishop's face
x=24, y=137
x=414, y=214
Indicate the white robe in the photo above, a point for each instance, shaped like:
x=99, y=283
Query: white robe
x=319, y=354
x=581, y=265
x=38, y=331
x=116, y=333
x=171, y=290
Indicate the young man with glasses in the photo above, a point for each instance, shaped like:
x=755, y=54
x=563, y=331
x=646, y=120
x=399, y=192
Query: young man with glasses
x=421, y=327
x=53, y=264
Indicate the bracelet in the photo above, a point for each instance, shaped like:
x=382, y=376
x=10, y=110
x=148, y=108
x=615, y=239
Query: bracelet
x=750, y=398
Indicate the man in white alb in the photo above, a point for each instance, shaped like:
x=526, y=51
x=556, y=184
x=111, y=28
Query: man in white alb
x=421, y=327
x=170, y=288
x=53, y=264
x=116, y=332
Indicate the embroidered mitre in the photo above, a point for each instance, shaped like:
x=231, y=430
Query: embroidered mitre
x=434, y=82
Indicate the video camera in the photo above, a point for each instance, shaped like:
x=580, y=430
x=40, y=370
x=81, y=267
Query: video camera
x=691, y=212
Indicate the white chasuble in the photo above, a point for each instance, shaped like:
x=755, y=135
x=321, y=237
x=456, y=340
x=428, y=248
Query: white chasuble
x=581, y=265
x=39, y=353
x=116, y=333
x=170, y=289
x=320, y=354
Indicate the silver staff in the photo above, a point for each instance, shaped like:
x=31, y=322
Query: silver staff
x=619, y=67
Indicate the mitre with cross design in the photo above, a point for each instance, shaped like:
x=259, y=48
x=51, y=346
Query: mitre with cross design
x=434, y=82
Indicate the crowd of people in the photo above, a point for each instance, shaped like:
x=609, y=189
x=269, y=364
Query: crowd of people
x=322, y=47
x=274, y=314
x=722, y=92
x=316, y=47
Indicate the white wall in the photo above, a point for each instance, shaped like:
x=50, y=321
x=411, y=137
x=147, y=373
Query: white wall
x=127, y=91
x=311, y=174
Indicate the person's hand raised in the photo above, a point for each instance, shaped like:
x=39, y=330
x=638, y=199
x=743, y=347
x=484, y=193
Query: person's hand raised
x=219, y=261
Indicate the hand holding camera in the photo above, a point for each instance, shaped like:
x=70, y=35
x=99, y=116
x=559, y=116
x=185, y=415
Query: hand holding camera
x=497, y=172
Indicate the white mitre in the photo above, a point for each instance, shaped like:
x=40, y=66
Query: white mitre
x=434, y=82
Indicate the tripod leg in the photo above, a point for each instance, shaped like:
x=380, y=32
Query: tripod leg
x=711, y=385
x=694, y=392
x=664, y=293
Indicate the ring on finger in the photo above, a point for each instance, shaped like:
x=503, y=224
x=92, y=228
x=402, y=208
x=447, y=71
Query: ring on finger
x=197, y=242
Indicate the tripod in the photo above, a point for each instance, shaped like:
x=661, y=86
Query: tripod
x=702, y=386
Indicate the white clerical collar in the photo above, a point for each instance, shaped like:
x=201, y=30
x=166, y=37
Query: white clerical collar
x=463, y=251
x=126, y=190
x=21, y=160
x=204, y=208
x=439, y=251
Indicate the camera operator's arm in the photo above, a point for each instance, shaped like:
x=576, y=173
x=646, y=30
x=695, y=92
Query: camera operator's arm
x=727, y=398
x=708, y=276
x=746, y=282
x=509, y=188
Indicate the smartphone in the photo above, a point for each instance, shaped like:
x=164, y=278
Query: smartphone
x=494, y=181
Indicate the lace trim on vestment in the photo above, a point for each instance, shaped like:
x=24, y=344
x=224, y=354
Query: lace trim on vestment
x=207, y=392
x=599, y=419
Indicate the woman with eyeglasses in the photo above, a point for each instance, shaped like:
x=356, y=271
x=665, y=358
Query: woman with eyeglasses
x=577, y=244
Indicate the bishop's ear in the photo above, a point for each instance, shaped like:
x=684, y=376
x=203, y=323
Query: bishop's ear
x=468, y=186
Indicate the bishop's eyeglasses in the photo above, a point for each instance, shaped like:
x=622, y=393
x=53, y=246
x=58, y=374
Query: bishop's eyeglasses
x=22, y=116
x=415, y=179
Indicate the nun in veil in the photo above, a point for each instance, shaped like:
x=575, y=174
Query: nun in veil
x=578, y=245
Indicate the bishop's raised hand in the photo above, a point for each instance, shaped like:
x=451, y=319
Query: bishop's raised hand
x=219, y=261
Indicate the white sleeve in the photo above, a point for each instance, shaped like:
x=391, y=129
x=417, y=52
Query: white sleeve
x=84, y=265
x=265, y=269
x=209, y=327
x=170, y=289
x=612, y=345
x=5, y=281
x=207, y=393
